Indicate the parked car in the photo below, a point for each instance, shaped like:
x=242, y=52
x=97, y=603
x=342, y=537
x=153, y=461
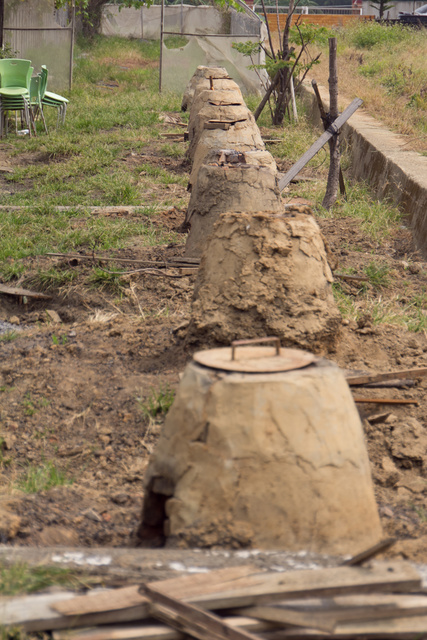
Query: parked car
x=418, y=17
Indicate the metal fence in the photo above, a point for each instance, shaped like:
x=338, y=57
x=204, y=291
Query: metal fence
x=36, y=31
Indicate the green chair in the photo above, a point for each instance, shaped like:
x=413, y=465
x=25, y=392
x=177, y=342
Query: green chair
x=15, y=78
x=50, y=99
x=36, y=86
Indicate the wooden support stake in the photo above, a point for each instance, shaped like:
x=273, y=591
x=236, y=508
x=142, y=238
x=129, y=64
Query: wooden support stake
x=315, y=148
x=326, y=122
x=334, y=142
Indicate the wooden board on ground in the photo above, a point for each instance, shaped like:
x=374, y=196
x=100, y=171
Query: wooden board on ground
x=191, y=620
x=417, y=372
x=394, y=628
x=269, y=587
x=149, y=631
x=18, y=291
x=184, y=586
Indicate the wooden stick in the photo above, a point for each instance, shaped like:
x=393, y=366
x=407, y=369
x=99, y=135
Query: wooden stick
x=176, y=262
x=334, y=142
x=384, y=400
x=369, y=553
x=326, y=123
x=315, y=148
x=192, y=620
x=391, y=375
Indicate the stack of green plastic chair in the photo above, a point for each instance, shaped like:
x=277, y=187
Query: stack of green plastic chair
x=52, y=99
x=36, y=86
x=15, y=78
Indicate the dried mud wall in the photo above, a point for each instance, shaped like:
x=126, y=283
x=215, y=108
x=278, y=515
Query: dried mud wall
x=265, y=274
x=271, y=461
x=381, y=158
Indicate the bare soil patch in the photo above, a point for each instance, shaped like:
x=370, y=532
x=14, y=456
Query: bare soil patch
x=69, y=392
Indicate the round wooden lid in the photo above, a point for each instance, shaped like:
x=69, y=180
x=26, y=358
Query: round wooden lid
x=251, y=359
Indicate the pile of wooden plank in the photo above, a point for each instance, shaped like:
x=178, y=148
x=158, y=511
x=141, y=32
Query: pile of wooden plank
x=379, y=600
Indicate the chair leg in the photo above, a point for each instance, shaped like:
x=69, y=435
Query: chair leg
x=64, y=112
x=32, y=119
x=43, y=118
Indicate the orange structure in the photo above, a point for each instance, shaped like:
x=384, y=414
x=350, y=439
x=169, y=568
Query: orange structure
x=323, y=20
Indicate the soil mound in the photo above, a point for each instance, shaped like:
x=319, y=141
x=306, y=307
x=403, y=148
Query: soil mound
x=230, y=181
x=266, y=460
x=265, y=274
x=202, y=76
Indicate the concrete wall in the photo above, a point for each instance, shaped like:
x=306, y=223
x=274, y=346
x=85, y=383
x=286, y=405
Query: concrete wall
x=381, y=158
x=145, y=22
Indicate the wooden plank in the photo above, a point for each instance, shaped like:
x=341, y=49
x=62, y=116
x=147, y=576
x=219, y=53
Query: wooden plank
x=18, y=291
x=191, y=620
x=185, y=586
x=391, y=375
x=36, y=613
x=332, y=612
x=384, y=400
x=149, y=631
x=369, y=553
x=285, y=616
x=315, y=148
x=270, y=587
x=412, y=628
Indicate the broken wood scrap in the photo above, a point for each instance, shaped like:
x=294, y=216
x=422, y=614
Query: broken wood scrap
x=24, y=293
x=384, y=400
x=184, y=586
x=149, y=631
x=287, y=616
x=159, y=264
x=369, y=378
x=406, y=628
x=38, y=613
x=270, y=587
x=391, y=384
x=191, y=620
x=368, y=554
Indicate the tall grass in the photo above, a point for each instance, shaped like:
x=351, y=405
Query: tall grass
x=386, y=67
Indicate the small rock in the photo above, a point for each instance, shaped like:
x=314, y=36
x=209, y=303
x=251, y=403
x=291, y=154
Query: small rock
x=53, y=315
x=72, y=334
x=119, y=498
x=391, y=419
x=345, y=322
x=391, y=473
x=414, y=484
x=14, y=320
x=90, y=514
x=386, y=512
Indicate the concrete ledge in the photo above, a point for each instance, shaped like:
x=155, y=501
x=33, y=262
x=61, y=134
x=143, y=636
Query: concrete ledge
x=381, y=158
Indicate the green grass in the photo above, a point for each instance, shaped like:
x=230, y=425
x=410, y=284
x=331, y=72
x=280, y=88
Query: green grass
x=21, y=578
x=9, y=336
x=378, y=218
x=42, y=478
x=157, y=404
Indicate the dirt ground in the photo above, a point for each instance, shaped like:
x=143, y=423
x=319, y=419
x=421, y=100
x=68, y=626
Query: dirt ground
x=69, y=393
